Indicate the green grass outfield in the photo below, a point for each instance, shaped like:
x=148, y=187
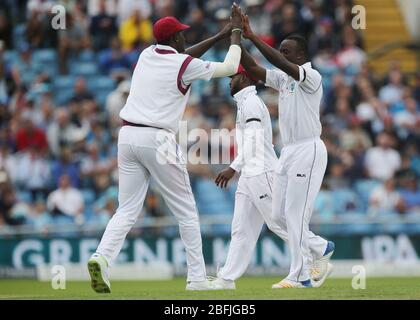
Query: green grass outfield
x=247, y=289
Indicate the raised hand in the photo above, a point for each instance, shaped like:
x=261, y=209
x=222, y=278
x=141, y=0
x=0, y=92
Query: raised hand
x=226, y=31
x=235, y=16
x=246, y=31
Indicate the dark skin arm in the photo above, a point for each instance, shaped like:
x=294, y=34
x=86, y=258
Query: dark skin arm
x=271, y=54
x=251, y=66
x=201, y=48
x=224, y=176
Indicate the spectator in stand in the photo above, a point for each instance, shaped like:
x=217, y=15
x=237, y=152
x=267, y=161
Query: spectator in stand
x=22, y=70
x=393, y=91
x=62, y=133
x=33, y=173
x=115, y=101
x=382, y=161
x=350, y=56
x=6, y=31
x=114, y=60
x=102, y=27
x=416, y=91
x=71, y=41
x=94, y=167
x=354, y=137
x=8, y=201
x=127, y=7
x=135, y=32
x=81, y=92
x=29, y=136
x=198, y=30
x=66, y=200
x=410, y=192
x=384, y=199
x=66, y=166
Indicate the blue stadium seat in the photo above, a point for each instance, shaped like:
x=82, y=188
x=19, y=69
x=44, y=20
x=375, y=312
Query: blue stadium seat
x=86, y=56
x=44, y=56
x=88, y=196
x=345, y=200
x=324, y=204
x=364, y=189
x=10, y=56
x=102, y=83
x=211, y=199
x=64, y=82
x=84, y=69
x=19, y=37
x=24, y=196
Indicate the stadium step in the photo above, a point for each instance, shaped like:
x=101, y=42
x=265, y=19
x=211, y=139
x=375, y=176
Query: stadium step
x=385, y=25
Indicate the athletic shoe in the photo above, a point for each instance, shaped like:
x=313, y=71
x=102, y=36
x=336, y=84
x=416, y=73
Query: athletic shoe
x=200, y=285
x=222, y=284
x=321, y=265
x=98, y=271
x=318, y=283
x=289, y=284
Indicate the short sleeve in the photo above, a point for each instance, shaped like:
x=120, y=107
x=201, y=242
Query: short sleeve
x=309, y=79
x=252, y=110
x=275, y=78
x=198, y=69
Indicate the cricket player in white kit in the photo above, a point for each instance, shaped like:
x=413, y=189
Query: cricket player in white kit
x=303, y=159
x=159, y=92
x=256, y=161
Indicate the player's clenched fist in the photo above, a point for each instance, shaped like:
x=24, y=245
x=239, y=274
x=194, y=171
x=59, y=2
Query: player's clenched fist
x=223, y=177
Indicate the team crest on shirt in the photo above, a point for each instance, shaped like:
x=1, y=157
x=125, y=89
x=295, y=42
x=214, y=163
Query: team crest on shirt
x=292, y=87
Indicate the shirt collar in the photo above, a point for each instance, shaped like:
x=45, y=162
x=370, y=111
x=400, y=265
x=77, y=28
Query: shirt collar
x=165, y=49
x=307, y=64
x=242, y=94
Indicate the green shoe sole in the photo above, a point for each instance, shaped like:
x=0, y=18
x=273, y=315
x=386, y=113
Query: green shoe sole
x=97, y=282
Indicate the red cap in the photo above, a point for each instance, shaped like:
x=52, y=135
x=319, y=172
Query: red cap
x=241, y=70
x=165, y=27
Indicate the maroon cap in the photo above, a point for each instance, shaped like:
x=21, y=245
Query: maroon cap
x=241, y=70
x=165, y=27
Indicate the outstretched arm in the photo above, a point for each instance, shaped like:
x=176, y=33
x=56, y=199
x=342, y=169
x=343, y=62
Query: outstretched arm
x=252, y=67
x=230, y=65
x=201, y=48
x=271, y=54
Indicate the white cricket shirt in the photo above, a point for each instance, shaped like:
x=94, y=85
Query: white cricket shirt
x=299, y=103
x=160, y=86
x=254, y=135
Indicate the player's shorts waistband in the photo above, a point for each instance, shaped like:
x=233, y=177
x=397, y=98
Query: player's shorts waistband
x=127, y=123
x=302, y=141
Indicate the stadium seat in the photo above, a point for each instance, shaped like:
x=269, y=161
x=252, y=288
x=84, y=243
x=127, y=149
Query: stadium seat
x=10, y=56
x=345, y=200
x=88, y=196
x=83, y=69
x=24, y=196
x=44, y=56
x=86, y=56
x=64, y=82
x=364, y=189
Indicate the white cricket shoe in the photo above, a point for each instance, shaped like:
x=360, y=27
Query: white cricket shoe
x=322, y=268
x=320, y=282
x=290, y=284
x=98, y=271
x=222, y=284
x=200, y=285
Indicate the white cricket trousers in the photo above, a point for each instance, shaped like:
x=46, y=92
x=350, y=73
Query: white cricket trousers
x=297, y=181
x=140, y=156
x=253, y=207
